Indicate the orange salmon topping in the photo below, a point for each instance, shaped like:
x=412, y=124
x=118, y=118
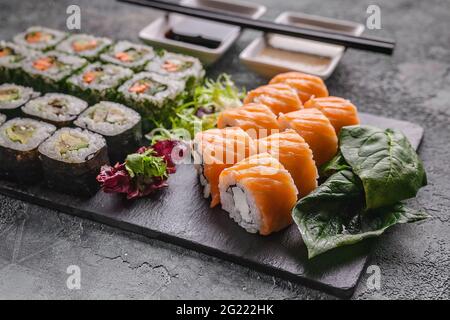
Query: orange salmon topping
x=79, y=46
x=139, y=87
x=170, y=66
x=5, y=52
x=90, y=76
x=37, y=36
x=123, y=56
x=43, y=64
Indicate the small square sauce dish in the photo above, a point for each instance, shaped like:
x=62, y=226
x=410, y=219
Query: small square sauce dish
x=272, y=54
x=207, y=40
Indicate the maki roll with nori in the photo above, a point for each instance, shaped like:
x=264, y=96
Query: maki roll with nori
x=129, y=55
x=120, y=126
x=72, y=159
x=2, y=119
x=11, y=57
x=12, y=97
x=40, y=38
x=98, y=82
x=84, y=45
x=19, y=142
x=150, y=93
x=47, y=71
x=178, y=66
x=56, y=108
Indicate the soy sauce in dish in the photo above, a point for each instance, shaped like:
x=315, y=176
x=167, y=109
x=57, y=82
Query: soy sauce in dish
x=198, y=32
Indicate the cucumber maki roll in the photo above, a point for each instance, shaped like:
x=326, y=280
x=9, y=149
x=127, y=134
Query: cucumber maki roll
x=57, y=108
x=11, y=57
x=129, y=55
x=47, y=71
x=120, y=126
x=71, y=160
x=12, y=97
x=19, y=142
x=2, y=119
x=84, y=45
x=40, y=38
x=98, y=82
x=178, y=66
x=150, y=94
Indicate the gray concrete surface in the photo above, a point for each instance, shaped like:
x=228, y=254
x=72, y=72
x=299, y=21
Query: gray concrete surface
x=37, y=245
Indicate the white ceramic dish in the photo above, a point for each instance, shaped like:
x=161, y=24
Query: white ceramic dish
x=273, y=54
x=155, y=33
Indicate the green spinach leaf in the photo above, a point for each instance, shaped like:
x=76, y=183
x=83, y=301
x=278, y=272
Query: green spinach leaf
x=334, y=165
x=385, y=161
x=334, y=215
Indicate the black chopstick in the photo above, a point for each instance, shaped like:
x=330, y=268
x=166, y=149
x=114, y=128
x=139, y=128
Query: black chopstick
x=349, y=41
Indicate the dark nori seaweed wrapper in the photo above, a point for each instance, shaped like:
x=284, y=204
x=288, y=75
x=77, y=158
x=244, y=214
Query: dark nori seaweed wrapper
x=21, y=166
x=123, y=144
x=75, y=178
x=58, y=124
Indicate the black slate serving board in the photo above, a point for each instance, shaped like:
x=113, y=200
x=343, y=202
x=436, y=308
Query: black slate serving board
x=180, y=215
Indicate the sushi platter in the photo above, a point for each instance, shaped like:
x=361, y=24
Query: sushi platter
x=181, y=216
x=291, y=175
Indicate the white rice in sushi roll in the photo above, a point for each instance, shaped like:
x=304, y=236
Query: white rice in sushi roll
x=23, y=134
x=177, y=66
x=55, y=107
x=84, y=45
x=108, y=118
x=48, y=38
x=259, y=194
x=13, y=96
x=128, y=54
x=72, y=145
x=2, y=119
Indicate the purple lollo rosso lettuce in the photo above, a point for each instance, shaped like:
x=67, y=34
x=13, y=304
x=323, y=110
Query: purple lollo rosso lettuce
x=142, y=173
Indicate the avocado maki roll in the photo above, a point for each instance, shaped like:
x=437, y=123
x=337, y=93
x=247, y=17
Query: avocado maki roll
x=47, y=71
x=2, y=119
x=40, y=38
x=120, y=126
x=178, y=66
x=129, y=55
x=71, y=159
x=57, y=108
x=98, y=82
x=11, y=57
x=150, y=94
x=12, y=97
x=84, y=45
x=19, y=142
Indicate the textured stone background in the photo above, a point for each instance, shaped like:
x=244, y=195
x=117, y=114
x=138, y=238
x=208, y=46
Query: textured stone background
x=37, y=245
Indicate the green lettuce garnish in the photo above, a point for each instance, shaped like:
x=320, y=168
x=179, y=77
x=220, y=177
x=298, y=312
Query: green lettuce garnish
x=198, y=111
x=146, y=164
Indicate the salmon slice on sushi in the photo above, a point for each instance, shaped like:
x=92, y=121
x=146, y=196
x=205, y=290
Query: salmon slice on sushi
x=259, y=194
x=295, y=155
x=278, y=97
x=306, y=85
x=255, y=118
x=217, y=149
x=341, y=112
x=317, y=131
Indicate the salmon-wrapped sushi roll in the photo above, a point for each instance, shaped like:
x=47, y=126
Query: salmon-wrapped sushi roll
x=317, y=131
x=278, y=97
x=255, y=118
x=296, y=157
x=217, y=149
x=340, y=112
x=306, y=85
x=259, y=194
